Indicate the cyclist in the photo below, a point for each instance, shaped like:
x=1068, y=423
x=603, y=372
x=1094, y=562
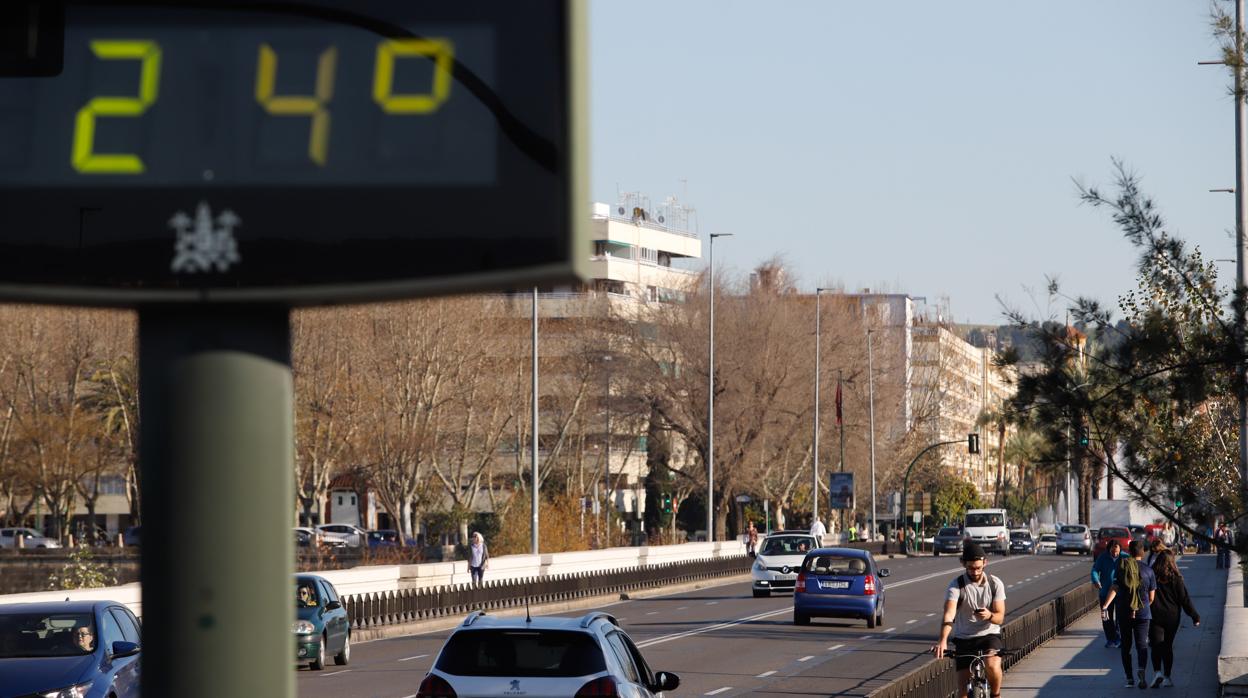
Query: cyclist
x=974, y=612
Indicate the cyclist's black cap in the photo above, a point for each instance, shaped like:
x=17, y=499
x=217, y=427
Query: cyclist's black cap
x=973, y=551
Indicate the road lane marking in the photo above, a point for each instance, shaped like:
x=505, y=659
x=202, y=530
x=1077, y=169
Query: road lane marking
x=652, y=613
x=911, y=621
x=930, y=615
x=765, y=674
x=712, y=603
x=681, y=608
x=335, y=673
x=866, y=637
x=718, y=690
x=834, y=648
x=408, y=659
x=807, y=658
x=890, y=630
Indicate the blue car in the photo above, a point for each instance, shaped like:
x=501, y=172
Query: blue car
x=69, y=649
x=839, y=583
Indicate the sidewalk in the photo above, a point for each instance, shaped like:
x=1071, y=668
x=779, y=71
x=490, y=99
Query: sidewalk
x=1077, y=663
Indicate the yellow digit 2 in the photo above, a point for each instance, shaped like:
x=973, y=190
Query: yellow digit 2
x=83, y=156
x=441, y=51
x=300, y=105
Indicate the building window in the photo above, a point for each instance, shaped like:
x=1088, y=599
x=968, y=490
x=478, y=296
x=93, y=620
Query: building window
x=652, y=294
x=339, y=500
x=649, y=255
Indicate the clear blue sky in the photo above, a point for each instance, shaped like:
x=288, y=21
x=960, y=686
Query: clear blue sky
x=917, y=146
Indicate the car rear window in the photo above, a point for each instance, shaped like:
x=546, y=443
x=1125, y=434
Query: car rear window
x=1073, y=529
x=521, y=653
x=1115, y=533
x=841, y=566
x=787, y=545
x=949, y=532
x=1048, y=537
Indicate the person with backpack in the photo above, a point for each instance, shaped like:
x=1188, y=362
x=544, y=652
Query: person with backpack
x=1170, y=601
x=1103, y=571
x=1134, y=588
x=973, y=613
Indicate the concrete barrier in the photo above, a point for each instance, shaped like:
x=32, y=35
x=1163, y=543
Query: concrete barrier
x=1233, y=655
x=382, y=578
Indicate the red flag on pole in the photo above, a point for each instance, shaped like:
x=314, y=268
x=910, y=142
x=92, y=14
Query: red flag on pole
x=838, y=403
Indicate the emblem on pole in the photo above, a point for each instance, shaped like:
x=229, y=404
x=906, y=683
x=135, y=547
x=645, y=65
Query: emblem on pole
x=204, y=242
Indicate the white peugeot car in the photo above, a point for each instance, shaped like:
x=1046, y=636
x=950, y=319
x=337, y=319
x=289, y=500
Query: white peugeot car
x=779, y=558
x=542, y=656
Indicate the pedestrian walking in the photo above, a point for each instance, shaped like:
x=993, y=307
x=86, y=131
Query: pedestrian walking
x=1133, y=590
x=817, y=530
x=1103, y=572
x=478, y=557
x=1170, y=601
x=751, y=539
x=1155, y=548
x=1223, y=539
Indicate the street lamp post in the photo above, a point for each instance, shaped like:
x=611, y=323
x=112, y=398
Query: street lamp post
x=710, y=400
x=815, y=480
x=871, y=412
x=534, y=503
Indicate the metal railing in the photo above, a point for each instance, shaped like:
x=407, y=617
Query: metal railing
x=939, y=679
x=409, y=605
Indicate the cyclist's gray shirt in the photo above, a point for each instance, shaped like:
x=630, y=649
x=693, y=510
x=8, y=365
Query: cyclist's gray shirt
x=974, y=596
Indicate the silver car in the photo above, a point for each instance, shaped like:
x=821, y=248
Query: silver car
x=30, y=538
x=1074, y=538
x=778, y=561
x=542, y=656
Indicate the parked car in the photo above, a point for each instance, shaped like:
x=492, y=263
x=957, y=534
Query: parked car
x=69, y=649
x=947, y=540
x=1022, y=542
x=987, y=527
x=542, y=656
x=322, y=627
x=1074, y=538
x=778, y=558
x=30, y=538
x=839, y=583
x=351, y=536
x=1119, y=533
x=1047, y=543
x=383, y=538
x=1138, y=532
x=131, y=536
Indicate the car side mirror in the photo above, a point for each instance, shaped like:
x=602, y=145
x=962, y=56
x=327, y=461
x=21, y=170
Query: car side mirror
x=333, y=606
x=883, y=571
x=666, y=681
x=124, y=649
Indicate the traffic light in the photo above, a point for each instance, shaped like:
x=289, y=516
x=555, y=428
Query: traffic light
x=972, y=443
x=1081, y=436
x=667, y=503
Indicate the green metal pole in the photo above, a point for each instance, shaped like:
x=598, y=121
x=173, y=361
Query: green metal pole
x=841, y=421
x=905, y=488
x=217, y=456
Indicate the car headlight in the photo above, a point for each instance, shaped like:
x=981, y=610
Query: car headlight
x=759, y=566
x=303, y=627
x=79, y=691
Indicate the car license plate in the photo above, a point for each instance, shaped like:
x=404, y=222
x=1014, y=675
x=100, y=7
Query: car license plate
x=833, y=585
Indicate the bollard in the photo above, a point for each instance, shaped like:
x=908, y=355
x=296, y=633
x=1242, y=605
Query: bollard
x=121, y=540
x=21, y=541
x=71, y=540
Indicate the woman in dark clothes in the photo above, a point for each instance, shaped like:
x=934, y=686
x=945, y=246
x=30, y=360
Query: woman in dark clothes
x=1171, y=599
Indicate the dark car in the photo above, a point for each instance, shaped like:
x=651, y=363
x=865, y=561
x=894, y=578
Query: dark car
x=69, y=648
x=1109, y=533
x=322, y=627
x=1138, y=532
x=382, y=538
x=131, y=536
x=839, y=583
x=1022, y=542
x=948, y=540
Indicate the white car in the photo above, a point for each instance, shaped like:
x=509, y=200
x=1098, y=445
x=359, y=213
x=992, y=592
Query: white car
x=779, y=558
x=346, y=534
x=30, y=538
x=543, y=656
x=1047, y=543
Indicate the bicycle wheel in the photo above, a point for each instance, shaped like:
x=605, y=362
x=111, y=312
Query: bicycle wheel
x=979, y=689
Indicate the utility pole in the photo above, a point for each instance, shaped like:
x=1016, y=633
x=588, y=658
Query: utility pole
x=871, y=411
x=1241, y=264
x=533, y=538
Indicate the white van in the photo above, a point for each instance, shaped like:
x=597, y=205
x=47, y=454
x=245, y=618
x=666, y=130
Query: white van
x=987, y=528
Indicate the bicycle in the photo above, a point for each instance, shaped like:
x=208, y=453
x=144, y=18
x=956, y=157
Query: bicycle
x=977, y=686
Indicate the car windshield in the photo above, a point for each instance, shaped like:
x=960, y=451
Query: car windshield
x=949, y=532
x=838, y=565
x=787, y=545
x=985, y=520
x=1115, y=533
x=1073, y=529
x=46, y=635
x=1020, y=535
x=553, y=653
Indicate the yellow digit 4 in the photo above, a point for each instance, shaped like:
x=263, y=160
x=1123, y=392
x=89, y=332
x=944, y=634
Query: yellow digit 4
x=441, y=51
x=300, y=105
x=84, y=158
